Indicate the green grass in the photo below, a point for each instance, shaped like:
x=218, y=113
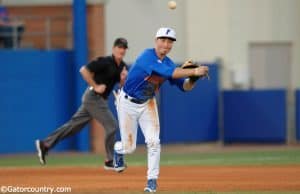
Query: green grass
x=279, y=157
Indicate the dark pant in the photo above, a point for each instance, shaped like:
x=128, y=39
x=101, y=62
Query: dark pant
x=10, y=36
x=93, y=106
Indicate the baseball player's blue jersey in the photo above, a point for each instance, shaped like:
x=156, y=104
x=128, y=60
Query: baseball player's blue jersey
x=148, y=73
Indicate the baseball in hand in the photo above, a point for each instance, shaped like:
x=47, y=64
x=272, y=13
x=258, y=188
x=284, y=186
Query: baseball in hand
x=172, y=5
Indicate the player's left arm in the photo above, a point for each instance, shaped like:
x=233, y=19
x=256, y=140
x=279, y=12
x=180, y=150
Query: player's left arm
x=171, y=71
x=184, y=83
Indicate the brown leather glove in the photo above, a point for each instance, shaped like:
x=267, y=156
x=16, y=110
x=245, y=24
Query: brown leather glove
x=190, y=65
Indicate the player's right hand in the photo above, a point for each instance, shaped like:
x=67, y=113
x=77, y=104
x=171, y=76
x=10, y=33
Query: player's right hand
x=100, y=88
x=201, y=71
x=123, y=76
x=116, y=94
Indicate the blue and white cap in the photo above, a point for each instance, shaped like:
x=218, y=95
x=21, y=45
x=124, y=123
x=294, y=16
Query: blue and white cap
x=165, y=32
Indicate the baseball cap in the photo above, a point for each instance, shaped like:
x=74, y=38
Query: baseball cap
x=121, y=42
x=165, y=32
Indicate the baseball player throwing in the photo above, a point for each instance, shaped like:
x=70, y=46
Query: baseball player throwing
x=137, y=105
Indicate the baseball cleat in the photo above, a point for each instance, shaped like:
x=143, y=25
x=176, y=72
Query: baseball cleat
x=151, y=186
x=42, y=151
x=109, y=165
x=119, y=163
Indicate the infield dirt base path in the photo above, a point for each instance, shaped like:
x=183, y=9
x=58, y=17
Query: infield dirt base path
x=174, y=178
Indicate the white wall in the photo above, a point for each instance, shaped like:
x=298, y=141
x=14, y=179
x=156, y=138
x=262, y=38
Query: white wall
x=138, y=21
x=262, y=21
x=208, y=30
x=224, y=28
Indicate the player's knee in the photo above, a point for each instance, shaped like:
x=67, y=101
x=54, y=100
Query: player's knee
x=153, y=147
x=153, y=144
x=124, y=148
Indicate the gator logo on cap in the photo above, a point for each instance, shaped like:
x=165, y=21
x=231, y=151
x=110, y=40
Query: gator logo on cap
x=168, y=30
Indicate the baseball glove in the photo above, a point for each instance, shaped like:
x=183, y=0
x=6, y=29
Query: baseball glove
x=190, y=65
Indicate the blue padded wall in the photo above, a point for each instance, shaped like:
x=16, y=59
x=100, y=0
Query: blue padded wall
x=36, y=97
x=298, y=114
x=254, y=116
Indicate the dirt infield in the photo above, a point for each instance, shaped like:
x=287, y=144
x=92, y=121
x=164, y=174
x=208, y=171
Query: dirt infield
x=180, y=178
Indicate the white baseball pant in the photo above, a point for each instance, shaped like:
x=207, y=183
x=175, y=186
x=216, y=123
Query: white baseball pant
x=130, y=115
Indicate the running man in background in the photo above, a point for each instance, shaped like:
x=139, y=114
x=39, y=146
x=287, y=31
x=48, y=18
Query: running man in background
x=101, y=75
x=137, y=104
